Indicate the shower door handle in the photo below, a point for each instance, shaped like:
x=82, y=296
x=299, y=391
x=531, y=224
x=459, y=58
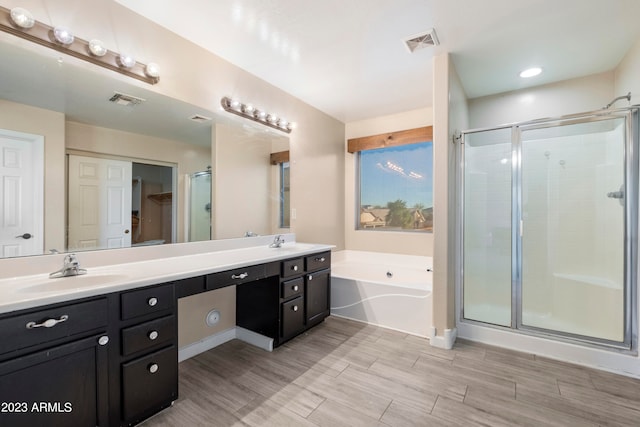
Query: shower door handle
x=615, y=194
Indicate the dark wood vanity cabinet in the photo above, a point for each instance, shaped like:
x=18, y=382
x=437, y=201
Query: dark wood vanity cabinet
x=147, y=360
x=54, y=366
x=112, y=360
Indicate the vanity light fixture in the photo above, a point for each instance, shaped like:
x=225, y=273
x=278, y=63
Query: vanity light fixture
x=20, y=23
x=248, y=111
x=22, y=17
x=63, y=35
x=96, y=47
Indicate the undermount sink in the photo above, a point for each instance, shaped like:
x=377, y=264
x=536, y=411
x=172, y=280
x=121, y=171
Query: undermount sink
x=72, y=282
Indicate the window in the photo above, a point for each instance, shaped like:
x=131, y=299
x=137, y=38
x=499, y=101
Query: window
x=285, y=195
x=396, y=188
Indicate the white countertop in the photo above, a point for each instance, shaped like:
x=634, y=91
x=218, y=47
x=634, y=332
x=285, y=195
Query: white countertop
x=22, y=292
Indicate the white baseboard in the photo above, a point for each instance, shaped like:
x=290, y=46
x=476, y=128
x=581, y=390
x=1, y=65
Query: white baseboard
x=220, y=338
x=208, y=343
x=254, y=339
x=445, y=341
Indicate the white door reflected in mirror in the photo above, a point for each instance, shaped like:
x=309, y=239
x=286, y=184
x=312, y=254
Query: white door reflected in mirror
x=21, y=194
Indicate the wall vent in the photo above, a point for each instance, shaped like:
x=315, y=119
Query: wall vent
x=124, y=99
x=200, y=119
x=422, y=40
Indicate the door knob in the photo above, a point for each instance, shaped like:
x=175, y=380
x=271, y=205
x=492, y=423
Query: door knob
x=25, y=236
x=126, y=231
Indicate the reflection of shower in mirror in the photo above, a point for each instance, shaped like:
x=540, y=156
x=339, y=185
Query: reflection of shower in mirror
x=199, y=203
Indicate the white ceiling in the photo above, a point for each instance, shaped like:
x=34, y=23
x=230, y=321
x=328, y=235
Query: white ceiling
x=347, y=57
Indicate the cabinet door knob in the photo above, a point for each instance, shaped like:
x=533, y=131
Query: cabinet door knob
x=294, y=268
x=294, y=308
x=153, y=335
x=153, y=368
x=295, y=288
x=310, y=277
x=103, y=340
x=152, y=301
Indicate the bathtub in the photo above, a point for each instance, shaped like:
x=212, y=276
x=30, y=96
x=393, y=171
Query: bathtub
x=388, y=290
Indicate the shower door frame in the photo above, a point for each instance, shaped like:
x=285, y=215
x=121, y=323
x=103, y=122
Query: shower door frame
x=631, y=177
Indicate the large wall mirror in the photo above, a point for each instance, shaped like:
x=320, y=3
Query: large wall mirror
x=84, y=168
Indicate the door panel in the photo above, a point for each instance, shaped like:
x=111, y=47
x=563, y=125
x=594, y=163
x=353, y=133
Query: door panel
x=21, y=194
x=99, y=203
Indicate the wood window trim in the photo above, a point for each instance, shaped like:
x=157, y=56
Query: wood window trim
x=391, y=139
x=279, y=157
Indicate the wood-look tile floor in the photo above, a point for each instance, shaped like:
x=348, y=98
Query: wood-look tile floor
x=344, y=373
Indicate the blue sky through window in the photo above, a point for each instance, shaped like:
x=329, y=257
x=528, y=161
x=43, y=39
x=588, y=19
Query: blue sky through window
x=404, y=172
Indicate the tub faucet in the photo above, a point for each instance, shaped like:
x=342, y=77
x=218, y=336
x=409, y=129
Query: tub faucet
x=277, y=241
x=71, y=267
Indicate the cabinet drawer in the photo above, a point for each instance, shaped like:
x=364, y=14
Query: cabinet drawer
x=291, y=288
x=236, y=276
x=149, y=383
x=318, y=261
x=148, y=335
x=292, y=267
x=147, y=301
x=292, y=317
x=190, y=286
x=23, y=330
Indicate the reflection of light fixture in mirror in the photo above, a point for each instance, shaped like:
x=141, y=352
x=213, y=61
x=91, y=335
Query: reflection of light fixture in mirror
x=22, y=17
x=248, y=111
x=20, y=23
x=63, y=35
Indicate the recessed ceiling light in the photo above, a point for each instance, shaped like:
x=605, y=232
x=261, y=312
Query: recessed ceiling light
x=530, y=72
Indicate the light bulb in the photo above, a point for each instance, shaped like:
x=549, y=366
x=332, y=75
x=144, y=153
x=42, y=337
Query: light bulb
x=152, y=70
x=96, y=47
x=261, y=115
x=530, y=72
x=63, y=35
x=127, y=61
x=22, y=17
x=248, y=109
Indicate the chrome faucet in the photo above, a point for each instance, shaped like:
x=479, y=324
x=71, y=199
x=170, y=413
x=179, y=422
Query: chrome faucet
x=277, y=241
x=71, y=267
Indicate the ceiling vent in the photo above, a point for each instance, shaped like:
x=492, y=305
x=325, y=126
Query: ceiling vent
x=200, y=119
x=124, y=99
x=420, y=41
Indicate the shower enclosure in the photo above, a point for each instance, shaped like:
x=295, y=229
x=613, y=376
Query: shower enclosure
x=549, y=213
x=200, y=206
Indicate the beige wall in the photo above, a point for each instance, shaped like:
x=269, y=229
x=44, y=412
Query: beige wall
x=188, y=158
x=23, y=118
x=450, y=115
x=626, y=76
x=193, y=310
x=579, y=95
x=381, y=241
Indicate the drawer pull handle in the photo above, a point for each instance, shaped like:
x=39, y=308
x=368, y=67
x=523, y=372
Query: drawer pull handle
x=294, y=268
x=49, y=323
x=103, y=340
x=295, y=288
x=240, y=276
x=294, y=308
x=152, y=301
x=321, y=259
x=153, y=368
x=153, y=335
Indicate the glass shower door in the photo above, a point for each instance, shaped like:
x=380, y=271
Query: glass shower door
x=487, y=227
x=572, y=230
